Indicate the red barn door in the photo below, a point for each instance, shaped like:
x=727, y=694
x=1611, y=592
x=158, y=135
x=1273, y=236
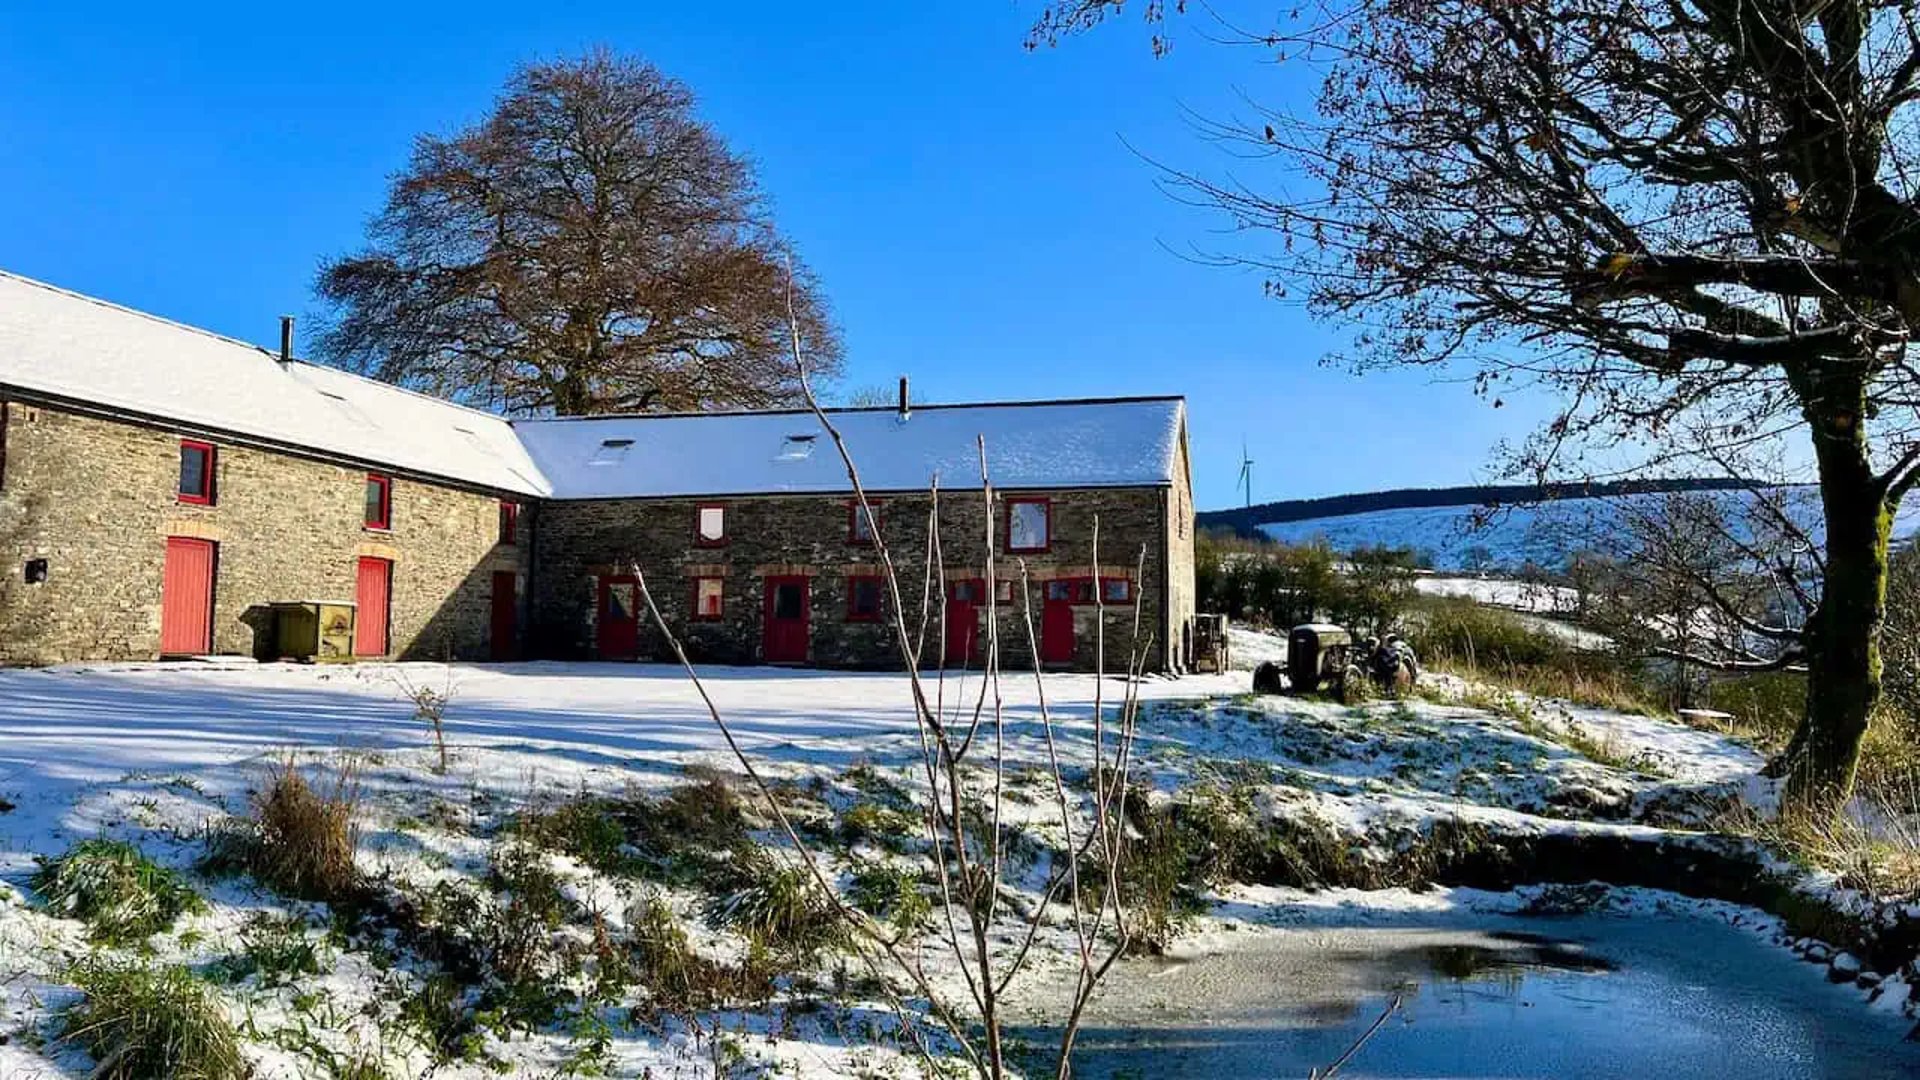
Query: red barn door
x=506, y=615
x=186, y=597
x=374, y=594
x=618, y=627
x=963, y=620
x=787, y=611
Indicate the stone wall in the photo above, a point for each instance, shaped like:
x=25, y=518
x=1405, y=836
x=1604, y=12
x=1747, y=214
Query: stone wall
x=1182, y=589
x=808, y=536
x=97, y=499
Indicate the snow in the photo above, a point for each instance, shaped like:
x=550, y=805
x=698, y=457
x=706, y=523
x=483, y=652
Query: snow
x=74, y=347
x=153, y=752
x=1113, y=443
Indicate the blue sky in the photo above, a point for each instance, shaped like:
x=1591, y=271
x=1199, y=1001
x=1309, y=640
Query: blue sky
x=973, y=209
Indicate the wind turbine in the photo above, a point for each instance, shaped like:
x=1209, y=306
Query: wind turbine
x=1246, y=475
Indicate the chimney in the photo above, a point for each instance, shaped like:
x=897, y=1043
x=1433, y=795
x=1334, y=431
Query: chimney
x=286, y=338
x=906, y=406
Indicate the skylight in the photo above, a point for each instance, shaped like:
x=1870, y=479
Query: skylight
x=796, y=448
x=611, y=452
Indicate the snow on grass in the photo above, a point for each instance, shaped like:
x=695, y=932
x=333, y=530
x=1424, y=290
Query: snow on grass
x=154, y=754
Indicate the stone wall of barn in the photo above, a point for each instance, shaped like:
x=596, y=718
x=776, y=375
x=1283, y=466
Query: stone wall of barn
x=580, y=542
x=97, y=499
x=1183, y=594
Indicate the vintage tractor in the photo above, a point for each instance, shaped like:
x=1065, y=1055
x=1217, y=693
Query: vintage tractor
x=1321, y=656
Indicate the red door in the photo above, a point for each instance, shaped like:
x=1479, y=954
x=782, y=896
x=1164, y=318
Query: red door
x=619, y=623
x=506, y=615
x=186, y=597
x=963, y=620
x=1056, y=629
x=786, y=613
x=373, y=593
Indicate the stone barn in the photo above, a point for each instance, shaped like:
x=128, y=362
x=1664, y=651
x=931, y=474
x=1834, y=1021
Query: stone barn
x=164, y=491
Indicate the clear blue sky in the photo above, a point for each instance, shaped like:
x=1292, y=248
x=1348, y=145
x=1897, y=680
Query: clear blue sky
x=971, y=207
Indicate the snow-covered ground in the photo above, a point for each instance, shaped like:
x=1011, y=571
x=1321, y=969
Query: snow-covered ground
x=153, y=753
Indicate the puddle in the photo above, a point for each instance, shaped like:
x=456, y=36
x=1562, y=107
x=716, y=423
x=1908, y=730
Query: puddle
x=1490, y=996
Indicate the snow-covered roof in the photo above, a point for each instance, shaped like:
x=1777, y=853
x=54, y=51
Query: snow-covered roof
x=1120, y=442
x=70, y=346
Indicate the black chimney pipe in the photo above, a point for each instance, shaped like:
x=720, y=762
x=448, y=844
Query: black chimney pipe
x=906, y=407
x=286, y=338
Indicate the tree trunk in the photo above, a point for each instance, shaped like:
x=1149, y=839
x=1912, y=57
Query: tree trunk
x=1843, y=641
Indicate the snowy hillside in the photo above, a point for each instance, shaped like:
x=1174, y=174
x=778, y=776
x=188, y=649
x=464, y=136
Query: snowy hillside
x=1544, y=535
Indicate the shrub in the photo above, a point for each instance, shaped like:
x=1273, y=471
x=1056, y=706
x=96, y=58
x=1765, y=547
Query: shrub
x=142, y=1023
x=873, y=823
x=890, y=893
x=583, y=828
x=298, y=841
x=781, y=909
x=119, y=893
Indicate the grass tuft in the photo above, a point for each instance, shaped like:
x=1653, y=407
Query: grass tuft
x=142, y=1023
x=780, y=908
x=298, y=841
x=119, y=893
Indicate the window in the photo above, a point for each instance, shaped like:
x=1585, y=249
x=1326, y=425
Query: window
x=709, y=598
x=196, y=472
x=379, y=508
x=1116, y=590
x=509, y=522
x=863, y=598
x=1003, y=592
x=970, y=591
x=796, y=448
x=36, y=571
x=1071, y=590
x=710, y=526
x=611, y=452
x=860, y=524
x=1029, y=524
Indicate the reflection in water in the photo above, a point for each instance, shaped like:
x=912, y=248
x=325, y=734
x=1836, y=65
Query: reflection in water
x=1588, y=996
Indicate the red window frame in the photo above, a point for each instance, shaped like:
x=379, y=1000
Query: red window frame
x=385, y=521
x=878, y=506
x=700, y=540
x=509, y=522
x=1079, y=590
x=854, y=582
x=701, y=616
x=1126, y=585
x=203, y=497
x=1046, y=506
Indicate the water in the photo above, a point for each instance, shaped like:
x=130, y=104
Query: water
x=1581, y=996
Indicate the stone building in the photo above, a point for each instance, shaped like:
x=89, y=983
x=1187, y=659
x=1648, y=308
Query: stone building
x=161, y=488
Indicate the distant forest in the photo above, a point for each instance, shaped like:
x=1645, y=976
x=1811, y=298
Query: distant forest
x=1245, y=520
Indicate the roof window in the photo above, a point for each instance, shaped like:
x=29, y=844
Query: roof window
x=611, y=452
x=797, y=447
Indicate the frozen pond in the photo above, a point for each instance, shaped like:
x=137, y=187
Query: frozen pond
x=1493, y=996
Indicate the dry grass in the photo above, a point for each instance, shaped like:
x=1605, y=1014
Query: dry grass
x=299, y=840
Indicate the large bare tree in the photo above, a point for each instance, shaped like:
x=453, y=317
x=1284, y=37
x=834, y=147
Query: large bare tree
x=1693, y=220
x=591, y=246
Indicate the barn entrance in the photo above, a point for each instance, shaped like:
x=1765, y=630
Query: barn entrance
x=373, y=596
x=964, y=601
x=618, y=630
x=506, y=616
x=787, y=610
x=186, y=597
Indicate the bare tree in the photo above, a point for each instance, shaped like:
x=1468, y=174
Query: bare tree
x=1677, y=215
x=591, y=246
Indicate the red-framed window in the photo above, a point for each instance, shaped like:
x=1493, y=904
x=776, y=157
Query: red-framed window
x=196, y=472
x=509, y=522
x=1029, y=525
x=1071, y=590
x=709, y=598
x=1116, y=590
x=710, y=525
x=864, y=598
x=379, y=502
x=861, y=526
